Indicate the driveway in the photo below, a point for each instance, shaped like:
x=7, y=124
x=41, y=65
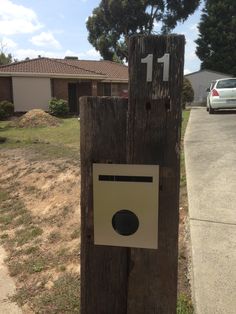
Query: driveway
x=210, y=153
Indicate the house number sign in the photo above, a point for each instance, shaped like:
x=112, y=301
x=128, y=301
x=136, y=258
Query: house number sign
x=165, y=59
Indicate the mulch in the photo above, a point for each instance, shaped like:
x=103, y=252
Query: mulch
x=36, y=118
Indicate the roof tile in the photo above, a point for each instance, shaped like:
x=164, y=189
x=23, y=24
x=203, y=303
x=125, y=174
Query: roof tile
x=110, y=70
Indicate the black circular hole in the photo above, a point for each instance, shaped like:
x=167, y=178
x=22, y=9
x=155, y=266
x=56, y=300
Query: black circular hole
x=125, y=222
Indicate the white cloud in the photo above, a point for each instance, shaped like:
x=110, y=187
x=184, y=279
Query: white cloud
x=17, y=19
x=45, y=39
x=21, y=54
x=7, y=43
x=90, y=54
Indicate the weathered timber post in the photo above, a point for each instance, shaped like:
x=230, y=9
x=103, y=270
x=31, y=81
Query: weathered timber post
x=103, y=268
x=117, y=280
x=154, y=121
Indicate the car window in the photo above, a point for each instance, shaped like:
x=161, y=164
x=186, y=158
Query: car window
x=212, y=84
x=227, y=84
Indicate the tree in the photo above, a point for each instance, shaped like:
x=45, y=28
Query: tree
x=5, y=59
x=113, y=21
x=216, y=45
x=187, y=93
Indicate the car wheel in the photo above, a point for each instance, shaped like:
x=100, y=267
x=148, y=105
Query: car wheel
x=207, y=108
x=211, y=111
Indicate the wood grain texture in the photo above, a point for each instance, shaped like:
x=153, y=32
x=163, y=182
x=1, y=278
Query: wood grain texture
x=104, y=269
x=154, y=123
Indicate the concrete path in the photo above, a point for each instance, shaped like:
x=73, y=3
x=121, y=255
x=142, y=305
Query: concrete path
x=210, y=154
x=7, y=288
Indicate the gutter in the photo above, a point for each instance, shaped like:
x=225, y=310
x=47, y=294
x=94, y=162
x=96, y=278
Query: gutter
x=51, y=75
x=115, y=81
x=65, y=76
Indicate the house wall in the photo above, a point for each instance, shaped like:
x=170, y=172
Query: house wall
x=31, y=93
x=6, y=89
x=60, y=88
x=112, y=89
x=201, y=81
x=83, y=88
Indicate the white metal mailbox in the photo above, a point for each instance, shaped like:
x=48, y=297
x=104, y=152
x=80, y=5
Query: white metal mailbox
x=126, y=205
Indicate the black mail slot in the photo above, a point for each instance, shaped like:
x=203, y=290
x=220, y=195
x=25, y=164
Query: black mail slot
x=125, y=178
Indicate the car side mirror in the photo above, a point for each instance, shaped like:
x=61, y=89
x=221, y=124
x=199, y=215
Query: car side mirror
x=208, y=89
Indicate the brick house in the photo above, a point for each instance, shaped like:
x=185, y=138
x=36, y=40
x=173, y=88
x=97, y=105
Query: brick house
x=32, y=83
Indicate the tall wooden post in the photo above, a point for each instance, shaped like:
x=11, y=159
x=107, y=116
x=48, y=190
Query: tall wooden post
x=116, y=280
x=154, y=121
x=103, y=268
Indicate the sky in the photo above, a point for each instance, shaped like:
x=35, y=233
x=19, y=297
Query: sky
x=57, y=28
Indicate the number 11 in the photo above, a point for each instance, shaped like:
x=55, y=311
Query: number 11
x=165, y=59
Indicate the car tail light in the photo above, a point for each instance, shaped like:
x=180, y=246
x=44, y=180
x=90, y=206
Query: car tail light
x=214, y=93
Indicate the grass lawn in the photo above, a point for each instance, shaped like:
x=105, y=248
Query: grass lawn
x=48, y=142
x=185, y=117
x=184, y=305
x=38, y=245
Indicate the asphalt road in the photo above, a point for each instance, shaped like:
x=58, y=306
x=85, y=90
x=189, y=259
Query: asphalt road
x=210, y=154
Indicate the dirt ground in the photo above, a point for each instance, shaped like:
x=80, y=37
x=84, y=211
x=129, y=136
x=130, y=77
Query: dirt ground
x=49, y=191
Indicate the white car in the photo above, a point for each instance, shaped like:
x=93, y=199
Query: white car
x=222, y=95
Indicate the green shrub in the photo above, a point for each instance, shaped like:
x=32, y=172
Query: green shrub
x=184, y=305
x=187, y=93
x=6, y=109
x=58, y=107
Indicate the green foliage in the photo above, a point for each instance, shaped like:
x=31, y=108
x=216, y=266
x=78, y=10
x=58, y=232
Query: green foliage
x=113, y=21
x=187, y=92
x=6, y=109
x=5, y=59
x=216, y=45
x=58, y=139
x=185, y=118
x=28, y=234
x=62, y=298
x=58, y=107
x=184, y=306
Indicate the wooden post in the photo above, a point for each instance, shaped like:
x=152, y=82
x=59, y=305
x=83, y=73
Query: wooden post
x=103, y=268
x=154, y=121
x=117, y=280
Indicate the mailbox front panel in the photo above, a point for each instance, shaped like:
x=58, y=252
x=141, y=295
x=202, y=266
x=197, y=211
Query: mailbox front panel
x=126, y=205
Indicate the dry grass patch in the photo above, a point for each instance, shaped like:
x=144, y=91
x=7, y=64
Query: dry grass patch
x=39, y=219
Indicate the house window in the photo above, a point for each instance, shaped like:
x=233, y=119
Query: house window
x=106, y=89
x=120, y=90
